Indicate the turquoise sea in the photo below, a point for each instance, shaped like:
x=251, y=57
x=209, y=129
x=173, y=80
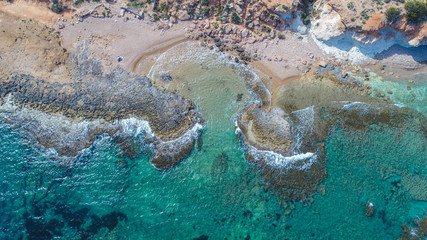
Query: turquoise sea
x=215, y=193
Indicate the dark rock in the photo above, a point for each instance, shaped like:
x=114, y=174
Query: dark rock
x=369, y=209
x=166, y=77
x=202, y=237
x=116, y=95
x=239, y=97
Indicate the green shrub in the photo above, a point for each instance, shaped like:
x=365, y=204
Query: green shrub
x=190, y=10
x=350, y=5
x=392, y=14
x=281, y=36
x=78, y=2
x=56, y=8
x=235, y=18
x=364, y=14
x=306, y=20
x=205, y=2
x=415, y=11
x=206, y=11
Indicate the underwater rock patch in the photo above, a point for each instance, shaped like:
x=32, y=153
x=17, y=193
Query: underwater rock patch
x=415, y=233
x=293, y=161
x=291, y=174
x=99, y=100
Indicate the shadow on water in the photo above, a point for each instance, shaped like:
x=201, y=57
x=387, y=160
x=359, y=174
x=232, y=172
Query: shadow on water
x=419, y=54
x=82, y=221
x=381, y=48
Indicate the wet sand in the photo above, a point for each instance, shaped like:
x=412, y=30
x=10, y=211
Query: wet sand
x=138, y=42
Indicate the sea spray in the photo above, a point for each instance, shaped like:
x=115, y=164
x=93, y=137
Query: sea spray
x=303, y=126
x=170, y=153
x=299, y=161
x=67, y=139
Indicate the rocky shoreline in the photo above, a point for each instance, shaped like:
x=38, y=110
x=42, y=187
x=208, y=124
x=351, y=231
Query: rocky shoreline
x=287, y=142
x=99, y=99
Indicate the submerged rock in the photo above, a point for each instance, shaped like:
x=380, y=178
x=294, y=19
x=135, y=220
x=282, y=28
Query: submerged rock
x=219, y=165
x=288, y=148
x=271, y=145
x=416, y=233
x=369, y=209
x=77, y=106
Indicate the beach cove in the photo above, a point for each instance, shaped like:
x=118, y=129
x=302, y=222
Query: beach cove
x=185, y=139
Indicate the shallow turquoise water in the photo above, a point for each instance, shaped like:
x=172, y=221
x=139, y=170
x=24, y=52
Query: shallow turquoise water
x=215, y=192
x=414, y=97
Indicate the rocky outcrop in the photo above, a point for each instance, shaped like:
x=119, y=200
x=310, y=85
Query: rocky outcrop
x=329, y=24
x=375, y=22
x=287, y=144
x=333, y=18
x=82, y=95
x=415, y=233
x=118, y=95
x=268, y=131
x=275, y=148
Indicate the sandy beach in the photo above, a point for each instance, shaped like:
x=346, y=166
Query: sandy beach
x=206, y=119
x=140, y=42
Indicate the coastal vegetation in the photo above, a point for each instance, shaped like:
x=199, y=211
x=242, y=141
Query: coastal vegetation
x=235, y=18
x=314, y=128
x=392, y=14
x=57, y=7
x=416, y=11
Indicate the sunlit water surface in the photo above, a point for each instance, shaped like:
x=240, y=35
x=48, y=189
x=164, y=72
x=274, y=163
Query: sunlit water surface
x=214, y=193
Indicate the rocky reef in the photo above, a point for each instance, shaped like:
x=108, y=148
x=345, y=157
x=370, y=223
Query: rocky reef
x=416, y=233
x=367, y=18
x=87, y=102
x=287, y=142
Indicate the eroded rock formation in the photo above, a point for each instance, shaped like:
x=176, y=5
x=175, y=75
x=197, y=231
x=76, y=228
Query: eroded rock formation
x=74, y=88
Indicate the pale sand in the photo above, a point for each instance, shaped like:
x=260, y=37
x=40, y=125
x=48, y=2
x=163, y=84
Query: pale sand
x=38, y=11
x=281, y=61
x=138, y=42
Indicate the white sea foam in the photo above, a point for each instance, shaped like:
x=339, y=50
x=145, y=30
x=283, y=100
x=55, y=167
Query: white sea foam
x=61, y=132
x=175, y=146
x=190, y=135
x=360, y=107
x=135, y=127
x=299, y=161
x=399, y=105
x=304, y=125
x=414, y=232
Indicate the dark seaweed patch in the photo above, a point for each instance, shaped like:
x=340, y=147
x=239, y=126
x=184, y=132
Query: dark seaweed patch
x=202, y=237
x=37, y=227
